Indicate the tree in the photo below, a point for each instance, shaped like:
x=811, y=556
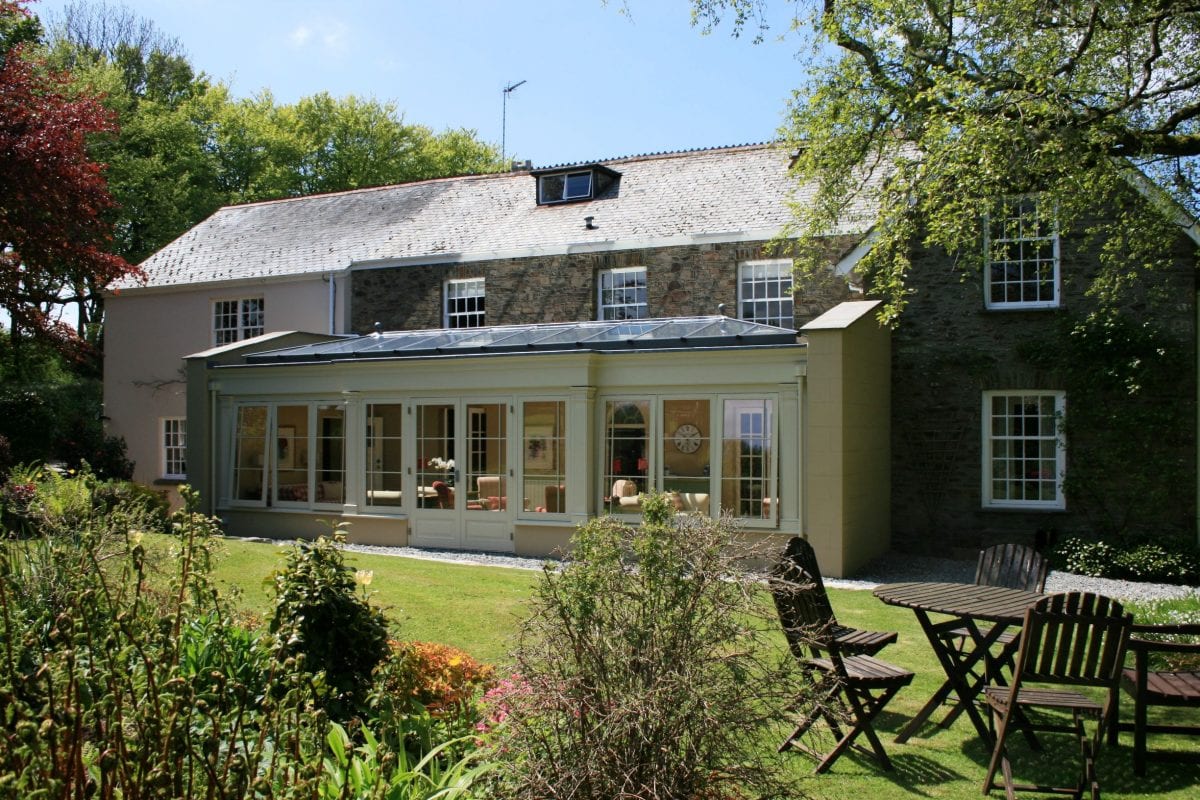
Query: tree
x=327, y=144
x=932, y=111
x=184, y=147
x=162, y=170
x=53, y=235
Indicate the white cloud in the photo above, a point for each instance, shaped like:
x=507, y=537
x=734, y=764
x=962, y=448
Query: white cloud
x=335, y=37
x=330, y=36
x=300, y=36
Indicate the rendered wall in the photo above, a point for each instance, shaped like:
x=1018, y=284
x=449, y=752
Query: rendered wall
x=848, y=430
x=148, y=332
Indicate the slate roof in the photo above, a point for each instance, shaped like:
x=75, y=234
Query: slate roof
x=719, y=192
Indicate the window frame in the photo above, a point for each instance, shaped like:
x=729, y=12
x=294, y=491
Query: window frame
x=565, y=177
x=448, y=315
x=166, y=460
x=240, y=314
x=1006, y=205
x=602, y=307
x=713, y=431
x=782, y=320
x=314, y=442
x=990, y=438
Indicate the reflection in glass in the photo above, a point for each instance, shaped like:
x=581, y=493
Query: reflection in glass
x=385, y=465
x=748, y=483
x=544, y=466
x=251, y=447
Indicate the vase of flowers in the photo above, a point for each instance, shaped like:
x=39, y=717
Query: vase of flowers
x=446, y=465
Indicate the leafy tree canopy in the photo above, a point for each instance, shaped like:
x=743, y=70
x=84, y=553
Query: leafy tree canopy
x=328, y=144
x=183, y=147
x=932, y=111
x=54, y=238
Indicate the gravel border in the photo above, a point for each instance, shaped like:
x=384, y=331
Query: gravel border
x=895, y=568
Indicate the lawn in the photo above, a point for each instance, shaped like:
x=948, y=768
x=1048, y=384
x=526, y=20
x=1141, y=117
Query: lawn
x=479, y=608
x=474, y=608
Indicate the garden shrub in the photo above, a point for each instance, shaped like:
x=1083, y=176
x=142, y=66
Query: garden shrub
x=1161, y=562
x=320, y=618
x=646, y=668
x=113, y=493
x=439, y=677
x=1164, y=560
x=97, y=700
x=60, y=420
x=1084, y=557
x=117, y=681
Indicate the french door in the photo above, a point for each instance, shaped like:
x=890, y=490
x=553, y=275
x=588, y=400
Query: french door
x=462, y=475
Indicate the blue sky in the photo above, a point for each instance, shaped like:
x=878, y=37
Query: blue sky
x=599, y=83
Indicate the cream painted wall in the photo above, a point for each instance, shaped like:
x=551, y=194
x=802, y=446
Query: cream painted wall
x=148, y=332
x=847, y=455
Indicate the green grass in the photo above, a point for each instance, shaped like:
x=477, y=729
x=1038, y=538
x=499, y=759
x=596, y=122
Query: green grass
x=475, y=608
x=478, y=609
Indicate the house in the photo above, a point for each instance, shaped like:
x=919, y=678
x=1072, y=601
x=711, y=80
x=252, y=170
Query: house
x=486, y=361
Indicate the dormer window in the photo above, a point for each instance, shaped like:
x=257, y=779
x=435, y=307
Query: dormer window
x=571, y=185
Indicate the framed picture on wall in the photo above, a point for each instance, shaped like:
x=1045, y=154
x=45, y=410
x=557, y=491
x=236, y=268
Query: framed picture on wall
x=286, y=447
x=539, y=455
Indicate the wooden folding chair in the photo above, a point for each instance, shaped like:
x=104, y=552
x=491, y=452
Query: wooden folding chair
x=799, y=564
x=1077, y=640
x=849, y=690
x=1175, y=688
x=1013, y=566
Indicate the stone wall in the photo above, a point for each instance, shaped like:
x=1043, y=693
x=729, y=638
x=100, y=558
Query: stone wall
x=690, y=280
x=948, y=349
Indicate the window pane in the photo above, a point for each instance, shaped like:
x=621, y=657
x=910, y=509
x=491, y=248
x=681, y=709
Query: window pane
x=331, y=449
x=291, y=454
x=385, y=466
x=1021, y=251
x=748, y=485
x=487, y=457
x=225, y=322
x=436, y=466
x=626, y=454
x=579, y=184
x=253, y=317
x=551, y=187
x=251, y=447
x=686, y=448
x=234, y=320
x=544, y=448
x=465, y=303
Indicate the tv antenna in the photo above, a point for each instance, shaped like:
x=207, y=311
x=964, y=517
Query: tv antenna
x=504, y=121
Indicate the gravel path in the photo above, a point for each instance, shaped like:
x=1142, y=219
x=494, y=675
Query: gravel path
x=896, y=568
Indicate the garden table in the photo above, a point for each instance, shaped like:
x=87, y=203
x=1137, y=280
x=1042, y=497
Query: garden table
x=966, y=604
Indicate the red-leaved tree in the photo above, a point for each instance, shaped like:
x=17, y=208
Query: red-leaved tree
x=53, y=236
